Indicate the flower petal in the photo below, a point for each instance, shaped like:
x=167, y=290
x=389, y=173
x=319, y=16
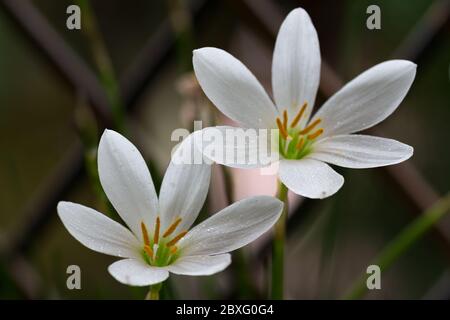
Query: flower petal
x=233, y=88
x=368, y=99
x=200, y=265
x=238, y=147
x=187, y=151
x=310, y=178
x=96, y=231
x=296, y=64
x=183, y=192
x=137, y=273
x=233, y=227
x=361, y=151
x=126, y=181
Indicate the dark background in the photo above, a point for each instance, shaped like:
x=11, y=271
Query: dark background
x=51, y=114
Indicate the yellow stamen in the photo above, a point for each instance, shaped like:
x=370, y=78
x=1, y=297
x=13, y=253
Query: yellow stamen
x=283, y=131
x=172, y=227
x=145, y=234
x=157, y=226
x=173, y=250
x=315, y=134
x=176, y=239
x=149, y=251
x=299, y=115
x=311, y=126
x=285, y=120
x=300, y=143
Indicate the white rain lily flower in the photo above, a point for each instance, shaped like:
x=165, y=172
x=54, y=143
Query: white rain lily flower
x=158, y=241
x=306, y=144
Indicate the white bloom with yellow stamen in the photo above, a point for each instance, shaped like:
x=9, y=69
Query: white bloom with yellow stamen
x=158, y=241
x=306, y=143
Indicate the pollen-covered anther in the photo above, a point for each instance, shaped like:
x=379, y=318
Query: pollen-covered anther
x=282, y=129
x=173, y=249
x=157, y=227
x=299, y=115
x=311, y=126
x=300, y=143
x=149, y=251
x=314, y=135
x=176, y=239
x=285, y=119
x=172, y=227
x=145, y=234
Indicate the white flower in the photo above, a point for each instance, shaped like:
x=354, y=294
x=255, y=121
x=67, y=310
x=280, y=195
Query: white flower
x=159, y=242
x=307, y=143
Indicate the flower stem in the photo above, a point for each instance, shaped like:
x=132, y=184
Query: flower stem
x=403, y=242
x=278, y=246
x=153, y=293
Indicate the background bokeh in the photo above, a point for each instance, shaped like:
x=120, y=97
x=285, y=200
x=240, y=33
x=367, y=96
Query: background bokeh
x=50, y=122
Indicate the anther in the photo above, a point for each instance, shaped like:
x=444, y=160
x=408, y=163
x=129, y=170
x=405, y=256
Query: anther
x=285, y=119
x=283, y=131
x=173, y=249
x=172, y=227
x=176, y=239
x=299, y=115
x=149, y=251
x=145, y=234
x=315, y=134
x=311, y=126
x=300, y=143
x=156, y=234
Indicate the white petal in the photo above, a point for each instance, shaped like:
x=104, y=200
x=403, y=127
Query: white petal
x=310, y=178
x=98, y=232
x=360, y=151
x=136, y=273
x=233, y=88
x=296, y=63
x=368, y=99
x=233, y=227
x=126, y=181
x=187, y=152
x=200, y=265
x=238, y=147
x=183, y=192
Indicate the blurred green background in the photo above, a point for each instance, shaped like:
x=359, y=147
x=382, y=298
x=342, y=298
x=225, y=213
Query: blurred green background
x=337, y=237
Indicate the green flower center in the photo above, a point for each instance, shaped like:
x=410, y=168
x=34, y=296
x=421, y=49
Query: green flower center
x=161, y=250
x=296, y=142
